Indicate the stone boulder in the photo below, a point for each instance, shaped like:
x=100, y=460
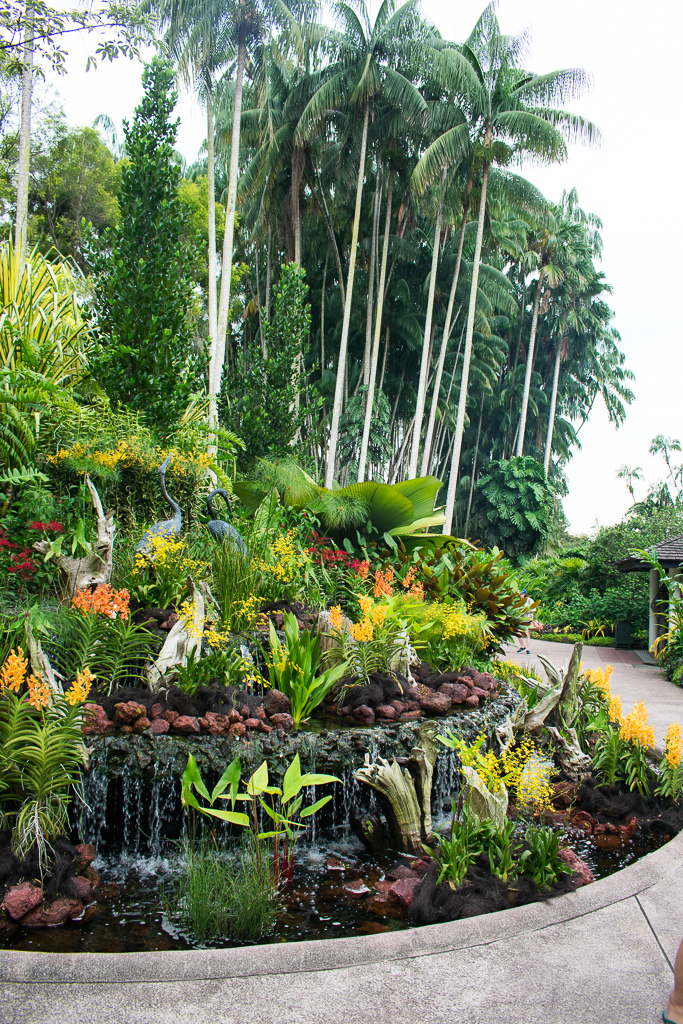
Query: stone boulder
x=403, y=891
x=579, y=867
x=86, y=855
x=61, y=910
x=434, y=703
x=276, y=703
x=21, y=899
x=96, y=722
x=282, y=721
x=128, y=712
x=186, y=725
x=160, y=726
x=364, y=714
x=386, y=711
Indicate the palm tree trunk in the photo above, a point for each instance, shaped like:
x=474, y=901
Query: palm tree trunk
x=474, y=467
x=384, y=358
x=298, y=158
x=370, y=400
x=529, y=367
x=467, y=357
x=211, y=176
x=371, y=289
x=218, y=356
x=322, y=315
x=269, y=275
x=551, y=414
x=424, y=365
x=23, y=163
x=426, y=455
x=343, y=344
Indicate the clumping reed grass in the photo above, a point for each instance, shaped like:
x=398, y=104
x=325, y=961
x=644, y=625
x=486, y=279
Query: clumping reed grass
x=223, y=895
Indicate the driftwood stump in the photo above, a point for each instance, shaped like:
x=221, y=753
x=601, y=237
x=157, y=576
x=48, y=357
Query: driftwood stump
x=406, y=792
x=181, y=643
x=93, y=568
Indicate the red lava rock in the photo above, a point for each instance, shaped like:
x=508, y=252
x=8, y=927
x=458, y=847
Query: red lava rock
x=471, y=702
x=155, y=712
x=478, y=692
x=244, y=712
x=630, y=827
x=364, y=714
x=584, y=821
x=252, y=723
x=234, y=716
x=260, y=713
x=128, y=712
x=565, y=794
x=96, y=722
x=237, y=729
x=459, y=693
x=214, y=724
x=335, y=864
x=446, y=689
x=63, y=909
x=282, y=720
x=86, y=855
x=383, y=887
x=170, y=622
x=401, y=871
x=386, y=711
x=92, y=876
x=419, y=867
x=346, y=712
x=276, y=703
x=412, y=705
x=413, y=692
x=266, y=728
x=170, y=716
x=435, y=703
x=398, y=706
x=578, y=866
x=465, y=681
x=355, y=889
x=22, y=898
x=83, y=888
x=141, y=724
x=160, y=726
x=127, y=729
x=403, y=891
x=409, y=716
x=186, y=725
x=484, y=681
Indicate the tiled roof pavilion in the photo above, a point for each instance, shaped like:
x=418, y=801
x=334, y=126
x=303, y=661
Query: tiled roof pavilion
x=669, y=554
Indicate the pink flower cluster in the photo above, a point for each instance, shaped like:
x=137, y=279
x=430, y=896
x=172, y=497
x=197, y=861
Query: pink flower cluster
x=52, y=527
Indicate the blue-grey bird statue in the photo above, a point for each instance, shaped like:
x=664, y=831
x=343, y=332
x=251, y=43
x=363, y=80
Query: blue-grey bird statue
x=218, y=528
x=167, y=529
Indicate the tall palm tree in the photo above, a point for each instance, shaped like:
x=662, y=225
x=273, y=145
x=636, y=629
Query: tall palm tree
x=509, y=111
x=362, y=70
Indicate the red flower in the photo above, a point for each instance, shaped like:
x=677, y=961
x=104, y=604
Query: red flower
x=54, y=527
x=37, y=525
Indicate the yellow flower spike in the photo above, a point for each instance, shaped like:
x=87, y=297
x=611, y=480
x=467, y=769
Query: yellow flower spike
x=336, y=617
x=674, y=744
x=39, y=692
x=365, y=604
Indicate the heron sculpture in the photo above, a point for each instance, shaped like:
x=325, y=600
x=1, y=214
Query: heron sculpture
x=167, y=529
x=219, y=529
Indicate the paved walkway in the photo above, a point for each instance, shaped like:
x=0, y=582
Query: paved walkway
x=632, y=680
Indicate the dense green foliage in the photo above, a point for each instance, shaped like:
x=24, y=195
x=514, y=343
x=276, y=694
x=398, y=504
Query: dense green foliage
x=513, y=504
x=144, y=301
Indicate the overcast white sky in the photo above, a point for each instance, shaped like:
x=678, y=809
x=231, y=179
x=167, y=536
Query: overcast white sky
x=632, y=182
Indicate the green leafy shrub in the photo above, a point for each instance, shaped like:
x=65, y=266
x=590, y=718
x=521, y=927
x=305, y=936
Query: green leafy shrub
x=115, y=650
x=541, y=861
x=513, y=505
x=293, y=667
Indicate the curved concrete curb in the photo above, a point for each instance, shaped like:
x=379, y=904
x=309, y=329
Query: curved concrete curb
x=341, y=954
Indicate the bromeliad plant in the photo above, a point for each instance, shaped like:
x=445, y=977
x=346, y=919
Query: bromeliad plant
x=294, y=668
